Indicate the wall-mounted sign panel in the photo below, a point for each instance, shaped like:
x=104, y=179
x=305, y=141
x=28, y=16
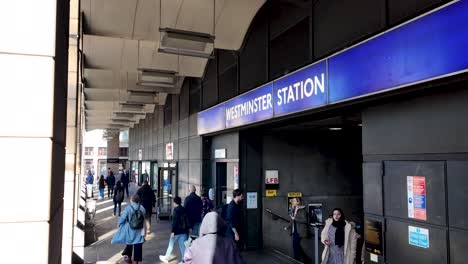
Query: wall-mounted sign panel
x=301, y=90
x=270, y=193
x=428, y=47
x=211, y=120
x=252, y=200
x=418, y=237
x=220, y=153
x=251, y=107
x=416, y=189
x=271, y=177
x=374, y=236
x=170, y=151
x=140, y=154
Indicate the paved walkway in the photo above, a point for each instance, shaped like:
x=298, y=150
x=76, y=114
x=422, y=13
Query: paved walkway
x=103, y=252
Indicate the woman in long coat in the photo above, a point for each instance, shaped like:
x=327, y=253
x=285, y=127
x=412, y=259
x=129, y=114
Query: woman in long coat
x=339, y=238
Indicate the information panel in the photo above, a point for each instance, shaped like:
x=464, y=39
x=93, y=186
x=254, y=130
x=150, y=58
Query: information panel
x=374, y=236
x=416, y=186
x=418, y=237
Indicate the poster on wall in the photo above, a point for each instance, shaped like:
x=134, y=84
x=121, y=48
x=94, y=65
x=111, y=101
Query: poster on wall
x=373, y=233
x=252, y=200
x=416, y=187
x=292, y=195
x=140, y=154
x=169, y=151
x=315, y=213
x=236, y=177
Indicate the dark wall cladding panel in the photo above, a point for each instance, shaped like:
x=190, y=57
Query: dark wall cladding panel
x=457, y=181
x=401, y=9
x=418, y=125
x=285, y=14
x=458, y=246
x=167, y=108
x=338, y=23
x=167, y=134
x=372, y=188
x=210, y=93
x=395, y=188
x=229, y=141
x=175, y=131
x=195, y=173
x=290, y=50
x=227, y=84
x=226, y=59
x=193, y=125
x=194, y=95
x=253, y=56
x=184, y=100
x=400, y=251
x=175, y=108
x=195, y=148
x=184, y=128
x=183, y=149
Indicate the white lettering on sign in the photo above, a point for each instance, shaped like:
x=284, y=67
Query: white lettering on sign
x=301, y=90
x=255, y=105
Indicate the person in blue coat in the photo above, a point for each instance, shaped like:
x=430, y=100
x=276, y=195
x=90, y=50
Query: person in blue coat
x=133, y=238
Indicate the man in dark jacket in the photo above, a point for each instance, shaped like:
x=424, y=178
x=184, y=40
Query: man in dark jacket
x=179, y=231
x=125, y=180
x=148, y=200
x=234, y=217
x=193, y=206
x=110, y=183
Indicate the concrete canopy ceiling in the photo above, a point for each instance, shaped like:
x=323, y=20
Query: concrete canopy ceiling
x=122, y=36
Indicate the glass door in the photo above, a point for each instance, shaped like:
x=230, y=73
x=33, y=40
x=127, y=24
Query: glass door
x=154, y=179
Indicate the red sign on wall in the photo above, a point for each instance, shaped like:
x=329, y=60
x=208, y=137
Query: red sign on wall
x=417, y=197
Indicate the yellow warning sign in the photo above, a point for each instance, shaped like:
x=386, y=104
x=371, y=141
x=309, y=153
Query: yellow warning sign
x=294, y=194
x=270, y=193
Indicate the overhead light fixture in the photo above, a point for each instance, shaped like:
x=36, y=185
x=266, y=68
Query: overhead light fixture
x=334, y=128
x=184, y=42
x=156, y=76
x=186, y=53
x=141, y=93
x=155, y=84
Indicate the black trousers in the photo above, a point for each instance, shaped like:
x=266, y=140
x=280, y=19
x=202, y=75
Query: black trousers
x=299, y=253
x=126, y=188
x=110, y=190
x=137, y=252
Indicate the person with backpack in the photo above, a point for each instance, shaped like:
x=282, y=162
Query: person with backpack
x=148, y=200
x=131, y=231
x=118, y=196
x=179, y=230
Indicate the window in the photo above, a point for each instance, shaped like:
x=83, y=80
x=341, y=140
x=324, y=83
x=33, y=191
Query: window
x=123, y=152
x=88, y=164
x=102, y=151
x=89, y=151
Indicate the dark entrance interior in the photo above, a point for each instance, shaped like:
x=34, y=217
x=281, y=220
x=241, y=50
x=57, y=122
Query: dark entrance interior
x=221, y=183
x=320, y=159
x=167, y=189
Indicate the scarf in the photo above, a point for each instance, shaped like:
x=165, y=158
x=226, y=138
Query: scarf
x=339, y=225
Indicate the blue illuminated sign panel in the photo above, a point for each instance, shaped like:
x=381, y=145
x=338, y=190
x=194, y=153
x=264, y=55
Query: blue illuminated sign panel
x=254, y=106
x=211, y=120
x=301, y=90
x=432, y=46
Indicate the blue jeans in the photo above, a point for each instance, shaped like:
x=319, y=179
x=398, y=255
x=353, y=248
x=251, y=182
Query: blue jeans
x=101, y=193
x=181, y=238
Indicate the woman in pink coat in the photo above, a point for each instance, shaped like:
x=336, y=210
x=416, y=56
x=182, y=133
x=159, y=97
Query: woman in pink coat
x=212, y=246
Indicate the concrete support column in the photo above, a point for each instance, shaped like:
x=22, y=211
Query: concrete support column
x=113, y=149
x=33, y=73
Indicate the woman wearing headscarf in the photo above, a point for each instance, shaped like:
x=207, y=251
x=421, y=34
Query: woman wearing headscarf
x=339, y=238
x=212, y=246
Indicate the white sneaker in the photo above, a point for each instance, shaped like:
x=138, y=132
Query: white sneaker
x=163, y=259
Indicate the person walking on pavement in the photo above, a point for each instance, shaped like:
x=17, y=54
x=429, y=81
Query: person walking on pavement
x=101, y=186
x=125, y=180
x=110, y=183
x=212, y=246
x=207, y=204
x=89, y=184
x=234, y=217
x=299, y=229
x=118, y=196
x=131, y=231
x=339, y=238
x=148, y=200
x=193, y=206
x=179, y=231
